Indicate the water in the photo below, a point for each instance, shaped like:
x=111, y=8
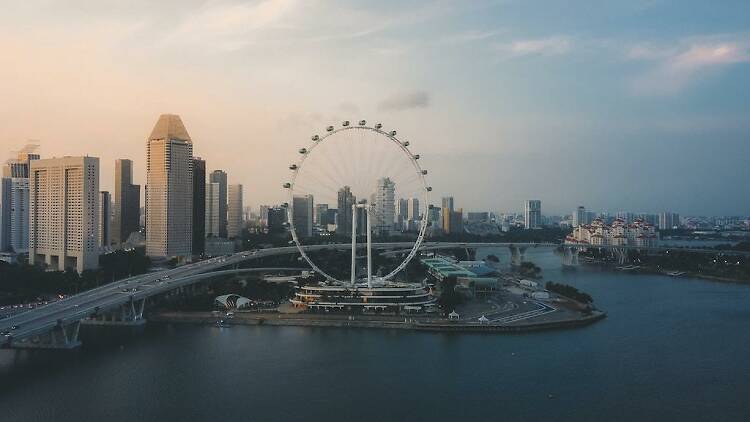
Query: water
x=671, y=349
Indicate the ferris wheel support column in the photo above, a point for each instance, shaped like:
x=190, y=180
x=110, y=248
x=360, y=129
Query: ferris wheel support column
x=354, y=243
x=369, y=250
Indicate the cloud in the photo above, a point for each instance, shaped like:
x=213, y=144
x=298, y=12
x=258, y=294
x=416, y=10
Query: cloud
x=406, y=101
x=551, y=46
x=678, y=67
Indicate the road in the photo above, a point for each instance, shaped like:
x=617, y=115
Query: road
x=42, y=319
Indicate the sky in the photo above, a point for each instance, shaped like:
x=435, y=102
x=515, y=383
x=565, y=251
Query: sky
x=638, y=105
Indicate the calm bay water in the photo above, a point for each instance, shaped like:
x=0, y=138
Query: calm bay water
x=671, y=349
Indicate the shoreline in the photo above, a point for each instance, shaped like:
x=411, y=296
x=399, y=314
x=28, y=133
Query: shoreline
x=313, y=320
x=653, y=271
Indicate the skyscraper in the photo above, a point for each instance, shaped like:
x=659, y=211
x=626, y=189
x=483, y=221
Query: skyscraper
x=169, y=190
x=213, y=220
x=127, y=203
x=199, y=206
x=302, y=213
x=413, y=214
x=453, y=221
x=403, y=214
x=14, y=201
x=63, y=216
x=383, y=201
x=533, y=213
x=220, y=177
x=321, y=215
x=448, y=202
x=234, y=211
x=105, y=214
x=668, y=220
x=344, y=216
x=14, y=214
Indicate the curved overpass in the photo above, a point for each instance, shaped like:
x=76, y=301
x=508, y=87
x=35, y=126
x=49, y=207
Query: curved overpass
x=109, y=297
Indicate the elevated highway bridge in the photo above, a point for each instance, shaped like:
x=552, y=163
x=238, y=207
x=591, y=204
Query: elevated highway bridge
x=56, y=325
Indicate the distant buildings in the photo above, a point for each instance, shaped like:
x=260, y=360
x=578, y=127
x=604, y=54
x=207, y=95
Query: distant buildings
x=302, y=212
x=127, y=203
x=639, y=233
x=276, y=217
x=448, y=202
x=402, y=214
x=234, y=211
x=579, y=216
x=169, y=190
x=384, y=206
x=321, y=215
x=105, y=215
x=199, y=206
x=344, y=217
x=533, y=214
x=63, y=213
x=14, y=201
x=213, y=209
x=220, y=177
x=669, y=220
x=477, y=217
x=453, y=222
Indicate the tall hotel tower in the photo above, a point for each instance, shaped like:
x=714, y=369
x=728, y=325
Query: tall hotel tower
x=63, y=217
x=169, y=190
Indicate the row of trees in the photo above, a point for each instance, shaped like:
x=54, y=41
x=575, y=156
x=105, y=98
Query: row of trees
x=569, y=291
x=20, y=283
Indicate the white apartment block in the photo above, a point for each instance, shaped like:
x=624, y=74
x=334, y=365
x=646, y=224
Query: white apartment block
x=63, y=213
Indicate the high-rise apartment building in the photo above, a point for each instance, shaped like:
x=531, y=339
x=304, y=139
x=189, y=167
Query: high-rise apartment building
x=199, y=206
x=234, y=211
x=169, y=190
x=302, y=213
x=63, y=216
x=344, y=217
x=384, y=207
x=213, y=210
x=220, y=177
x=668, y=220
x=533, y=213
x=127, y=203
x=105, y=216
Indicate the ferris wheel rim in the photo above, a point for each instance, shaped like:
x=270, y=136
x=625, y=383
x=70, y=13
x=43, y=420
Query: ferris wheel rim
x=296, y=167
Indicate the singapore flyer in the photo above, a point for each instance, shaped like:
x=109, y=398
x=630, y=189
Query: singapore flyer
x=358, y=183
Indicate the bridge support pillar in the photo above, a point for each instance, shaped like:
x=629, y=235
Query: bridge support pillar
x=517, y=255
x=621, y=254
x=128, y=314
x=569, y=257
x=63, y=336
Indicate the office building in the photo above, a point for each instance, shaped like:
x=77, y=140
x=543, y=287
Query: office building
x=127, y=203
x=14, y=214
x=63, y=216
x=384, y=207
x=413, y=214
x=533, y=214
x=276, y=218
x=19, y=167
x=579, y=216
x=213, y=210
x=448, y=202
x=402, y=214
x=220, y=177
x=302, y=213
x=199, y=206
x=169, y=190
x=344, y=217
x=453, y=222
x=321, y=215
x=105, y=215
x=234, y=211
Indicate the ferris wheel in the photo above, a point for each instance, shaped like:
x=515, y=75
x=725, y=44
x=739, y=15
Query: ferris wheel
x=357, y=181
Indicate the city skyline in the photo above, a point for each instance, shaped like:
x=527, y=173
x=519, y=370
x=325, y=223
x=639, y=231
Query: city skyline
x=487, y=106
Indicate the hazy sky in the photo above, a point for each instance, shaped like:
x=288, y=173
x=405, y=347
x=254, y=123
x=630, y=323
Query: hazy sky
x=636, y=105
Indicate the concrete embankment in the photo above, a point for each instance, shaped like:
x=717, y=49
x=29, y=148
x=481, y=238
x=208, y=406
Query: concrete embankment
x=312, y=320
